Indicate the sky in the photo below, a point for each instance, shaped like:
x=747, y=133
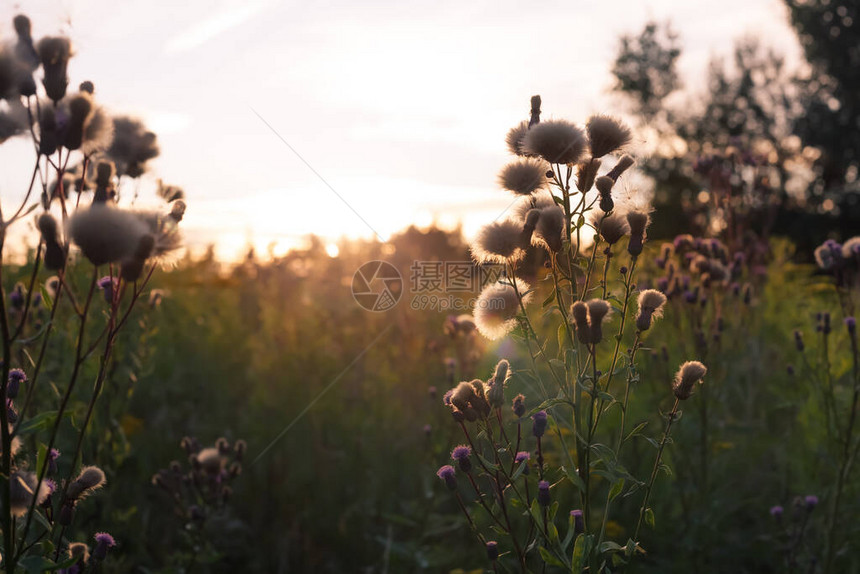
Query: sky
x=348, y=119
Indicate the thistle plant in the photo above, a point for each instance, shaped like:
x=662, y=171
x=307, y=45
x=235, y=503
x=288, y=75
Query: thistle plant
x=200, y=494
x=61, y=315
x=571, y=443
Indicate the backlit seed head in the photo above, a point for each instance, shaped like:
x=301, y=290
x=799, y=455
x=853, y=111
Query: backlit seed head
x=688, y=375
x=556, y=141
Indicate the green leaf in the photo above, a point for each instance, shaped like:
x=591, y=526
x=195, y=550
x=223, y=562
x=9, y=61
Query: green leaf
x=574, y=478
x=610, y=546
x=40, y=421
x=636, y=430
x=581, y=550
x=46, y=298
x=616, y=489
x=519, y=471
x=548, y=558
x=649, y=517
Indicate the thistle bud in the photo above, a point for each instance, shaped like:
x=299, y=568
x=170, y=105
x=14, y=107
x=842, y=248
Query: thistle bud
x=461, y=454
x=519, y=406
x=624, y=162
x=492, y=550
x=447, y=474
x=54, y=53
x=543, y=496
x=539, y=423
x=578, y=521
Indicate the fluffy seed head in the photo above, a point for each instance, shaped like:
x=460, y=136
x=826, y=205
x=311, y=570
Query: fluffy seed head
x=550, y=230
x=579, y=312
x=851, y=249
x=606, y=134
x=557, y=141
x=22, y=488
x=499, y=242
x=612, y=228
x=524, y=176
x=688, y=375
x=80, y=551
x=651, y=304
x=598, y=312
x=624, y=163
x=514, y=139
x=497, y=307
x=106, y=234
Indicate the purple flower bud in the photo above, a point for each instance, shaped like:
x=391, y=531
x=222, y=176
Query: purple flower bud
x=776, y=511
x=432, y=392
x=851, y=325
x=107, y=284
x=811, y=501
x=492, y=550
x=103, y=542
x=427, y=429
x=798, y=341
x=790, y=370
x=543, y=496
x=519, y=406
x=461, y=454
x=53, y=455
x=523, y=456
x=539, y=424
x=447, y=473
x=13, y=385
x=578, y=521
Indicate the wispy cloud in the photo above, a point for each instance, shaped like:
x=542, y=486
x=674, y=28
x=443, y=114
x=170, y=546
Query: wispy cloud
x=214, y=25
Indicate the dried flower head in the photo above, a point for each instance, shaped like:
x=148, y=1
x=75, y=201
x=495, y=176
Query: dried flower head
x=22, y=488
x=133, y=145
x=80, y=551
x=524, y=176
x=688, y=375
x=550, y=230
x=650, y=307
x=499, y=242
x=611, y=227
x=624, y=163
x=606, y=134
x=599, y=311
x=579, y=313
x=556, y=141
x=851, y=249
x=497, y=307
x=514, y=139
x=638, y=222
x=90, y=479
x=106, y=234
